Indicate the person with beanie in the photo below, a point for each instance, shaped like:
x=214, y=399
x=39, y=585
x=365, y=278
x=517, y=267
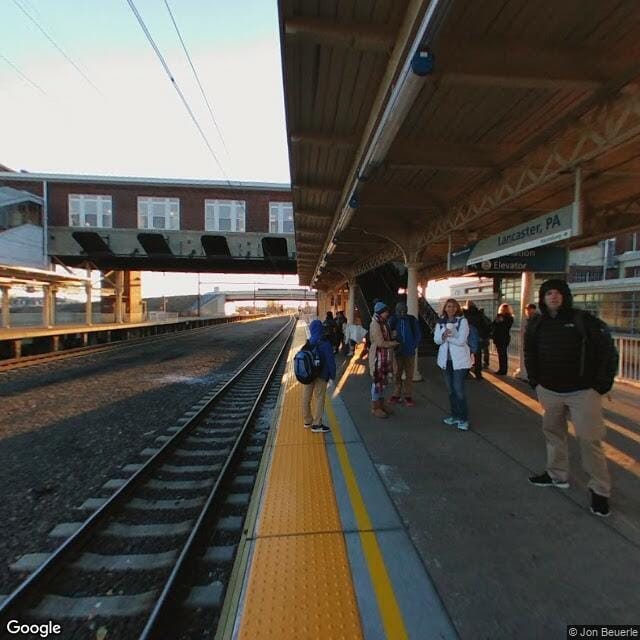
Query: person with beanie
x=407, y=333
x=313, y=394
x=380, y=358
x=571, y=362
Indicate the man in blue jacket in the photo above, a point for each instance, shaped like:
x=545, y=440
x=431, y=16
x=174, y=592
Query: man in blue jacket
x=314, y=392
x=405, y=329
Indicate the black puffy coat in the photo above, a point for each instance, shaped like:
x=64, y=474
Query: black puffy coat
x=500, y=329
x=570, y=352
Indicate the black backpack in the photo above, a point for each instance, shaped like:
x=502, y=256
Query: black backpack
x=307, y=363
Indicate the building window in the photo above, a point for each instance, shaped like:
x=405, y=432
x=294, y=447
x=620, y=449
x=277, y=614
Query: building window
x=224, y=215
x=90, y=211
x=159, y=213
x=280, y=217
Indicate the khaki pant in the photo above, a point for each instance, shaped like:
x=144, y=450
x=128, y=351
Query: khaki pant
x=313, y=401
x=584, y=408
x=403, y=364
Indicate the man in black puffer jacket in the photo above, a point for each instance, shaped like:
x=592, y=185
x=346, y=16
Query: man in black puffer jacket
x=571, y=362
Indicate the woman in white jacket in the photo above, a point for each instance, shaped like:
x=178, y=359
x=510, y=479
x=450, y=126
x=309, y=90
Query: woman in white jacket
x=454, y=358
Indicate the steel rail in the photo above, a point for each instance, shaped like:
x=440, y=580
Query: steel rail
x=164, y=603
x=18, y=599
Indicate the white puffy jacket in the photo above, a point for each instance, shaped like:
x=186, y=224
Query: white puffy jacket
x=456, y=344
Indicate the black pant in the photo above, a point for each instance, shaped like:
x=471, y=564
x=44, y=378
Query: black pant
x=503, y=358
x=484, y=346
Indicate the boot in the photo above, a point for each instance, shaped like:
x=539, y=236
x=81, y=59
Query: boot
x=387, y=410
x=376, y=410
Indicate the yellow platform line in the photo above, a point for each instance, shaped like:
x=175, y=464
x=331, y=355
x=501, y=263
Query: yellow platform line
x=299, y=584
x=387, y=603
x=613, y=453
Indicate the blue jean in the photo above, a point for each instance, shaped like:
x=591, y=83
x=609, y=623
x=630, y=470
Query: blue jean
x=375, y=394
x=454, y=379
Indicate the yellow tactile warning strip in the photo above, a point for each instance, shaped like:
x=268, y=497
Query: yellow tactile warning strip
x=387, y=603
x=300, y=588
x=300, y=583
x=613, y=453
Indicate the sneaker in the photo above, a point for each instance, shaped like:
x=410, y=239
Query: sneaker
x=450, y=420
x=408, y=402
x=320, y=428
x=395, y=400
x=463, y=425
x=307, y=426
x=599, y=505
x=545, y=480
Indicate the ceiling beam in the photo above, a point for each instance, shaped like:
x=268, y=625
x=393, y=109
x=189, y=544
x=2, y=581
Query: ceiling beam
x=320, y=139
x=332, y=189
x=608, y=126
x=359, y=36
x=323, y=215
x=310, y=234
x=513, y=64
x=399, y=198
x=431, y=154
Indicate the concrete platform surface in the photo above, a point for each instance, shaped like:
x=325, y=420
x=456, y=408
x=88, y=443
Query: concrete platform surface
x=508, y=559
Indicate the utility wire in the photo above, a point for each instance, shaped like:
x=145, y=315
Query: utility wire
x=22, y=75
x=195, y=73
x=56, y=45
x=175, y=85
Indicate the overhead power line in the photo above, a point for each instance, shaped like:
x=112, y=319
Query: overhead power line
x=56, y=45
x=175, y=85
x=22, y=75
x=195, y=73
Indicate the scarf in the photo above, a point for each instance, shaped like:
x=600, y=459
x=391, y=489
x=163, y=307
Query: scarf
x=382, y=367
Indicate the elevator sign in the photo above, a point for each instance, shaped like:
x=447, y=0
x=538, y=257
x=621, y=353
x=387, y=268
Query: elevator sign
x=546, y=229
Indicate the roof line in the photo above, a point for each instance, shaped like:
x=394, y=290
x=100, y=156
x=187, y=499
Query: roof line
x=182, y=182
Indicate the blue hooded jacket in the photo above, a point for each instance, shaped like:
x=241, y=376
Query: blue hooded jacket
x=316, y=337
x=408, y=330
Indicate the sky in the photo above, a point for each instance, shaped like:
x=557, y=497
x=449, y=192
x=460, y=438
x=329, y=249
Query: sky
x=120, y=115
x=109, y=108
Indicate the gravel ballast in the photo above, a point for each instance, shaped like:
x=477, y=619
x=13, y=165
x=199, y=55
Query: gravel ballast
x=65, y=430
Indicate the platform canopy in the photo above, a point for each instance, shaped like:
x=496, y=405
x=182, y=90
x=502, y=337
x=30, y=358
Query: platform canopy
x=27, y=276
x=10, y=197
x=509, y=98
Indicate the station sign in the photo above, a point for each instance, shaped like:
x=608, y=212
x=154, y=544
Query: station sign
x=538, y=260
x=546, y=229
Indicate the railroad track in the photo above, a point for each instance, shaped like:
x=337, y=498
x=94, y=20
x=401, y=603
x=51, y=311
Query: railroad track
x=152, y=559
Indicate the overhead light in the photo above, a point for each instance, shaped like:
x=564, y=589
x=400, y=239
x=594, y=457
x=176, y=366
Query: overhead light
x=402, y=98
x=331, y=248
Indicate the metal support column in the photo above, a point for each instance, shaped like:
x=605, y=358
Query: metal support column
x=351, y=304
x=47, y=316
x=6, y=309
x=412, y=306
x=119, y=311
x=88, y=309
x=526, y=292
x=351, y=312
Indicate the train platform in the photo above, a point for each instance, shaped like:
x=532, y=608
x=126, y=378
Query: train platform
x=18, y=342
x=408, y=528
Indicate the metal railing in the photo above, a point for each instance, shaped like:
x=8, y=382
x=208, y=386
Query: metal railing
x=629, y=365
x=628, y=347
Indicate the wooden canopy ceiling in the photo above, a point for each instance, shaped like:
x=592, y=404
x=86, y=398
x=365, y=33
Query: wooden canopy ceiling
x=521, y=94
